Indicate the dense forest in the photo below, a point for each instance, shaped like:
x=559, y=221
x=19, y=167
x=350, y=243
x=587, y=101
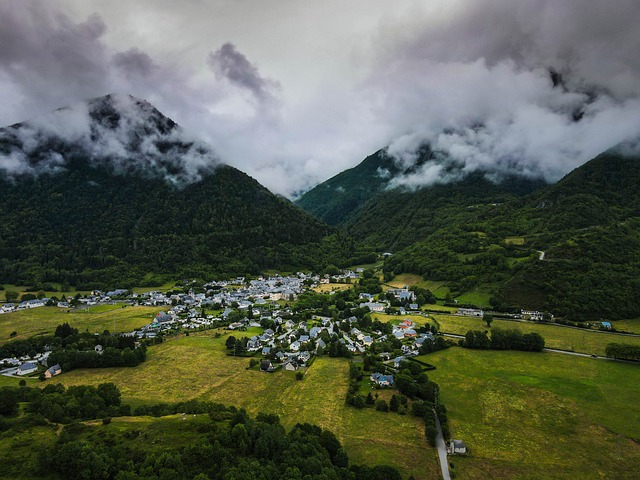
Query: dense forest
x=91, y=228
x=475, y=234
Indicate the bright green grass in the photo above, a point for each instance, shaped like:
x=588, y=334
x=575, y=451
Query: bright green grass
x=573, y=339
x=475, y=297
x=198, y=367
x=14, y=382
x=540, y=415
x=44, y=320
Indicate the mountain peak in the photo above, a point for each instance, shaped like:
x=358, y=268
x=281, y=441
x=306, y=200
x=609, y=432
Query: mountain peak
x=120, y=132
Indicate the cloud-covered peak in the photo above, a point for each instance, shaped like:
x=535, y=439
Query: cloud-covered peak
x=120, y=132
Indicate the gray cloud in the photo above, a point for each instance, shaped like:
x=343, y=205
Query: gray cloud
x=469, y=77
x=478, y=88
x=119, y=132
x=228, y=63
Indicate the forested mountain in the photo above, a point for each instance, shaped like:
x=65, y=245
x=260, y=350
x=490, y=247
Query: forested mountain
x=340, y=197
x=112, y=192
x=476, y=235
x=587, y=225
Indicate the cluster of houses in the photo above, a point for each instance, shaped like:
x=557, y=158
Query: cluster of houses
x=25, y=365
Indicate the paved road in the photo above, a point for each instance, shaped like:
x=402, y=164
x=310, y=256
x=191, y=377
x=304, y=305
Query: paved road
x=442, y=451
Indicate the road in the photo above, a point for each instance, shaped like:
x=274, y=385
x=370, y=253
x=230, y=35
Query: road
x=442, y=451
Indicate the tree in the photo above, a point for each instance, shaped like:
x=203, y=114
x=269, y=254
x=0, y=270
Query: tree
x=231, y=342
x=8, y=401
x=487, y=319
x=11, y=295
x=394, y=403
x=65, y=330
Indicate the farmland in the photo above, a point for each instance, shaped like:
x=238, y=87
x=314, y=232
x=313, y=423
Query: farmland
x=535, y=416
x=564, y=338
x=197, y=367
x=44, y=320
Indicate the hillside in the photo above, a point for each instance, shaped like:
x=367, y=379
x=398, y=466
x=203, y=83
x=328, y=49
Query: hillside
x=338, y=198
x=126, y=197
x=588, y=226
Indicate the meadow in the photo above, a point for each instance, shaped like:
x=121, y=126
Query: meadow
x=95, y=319
x=197, y=367
x=540, y=415
x=564, y=338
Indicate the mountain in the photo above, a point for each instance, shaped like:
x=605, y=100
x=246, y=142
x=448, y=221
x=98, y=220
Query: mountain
x=338, y=198
x=111, y=191
x=364, y=201
x=587, y=225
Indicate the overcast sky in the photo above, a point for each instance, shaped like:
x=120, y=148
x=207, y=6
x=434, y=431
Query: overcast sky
x=293, y=92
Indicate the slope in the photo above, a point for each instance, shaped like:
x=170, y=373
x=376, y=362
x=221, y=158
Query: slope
x=122, y=195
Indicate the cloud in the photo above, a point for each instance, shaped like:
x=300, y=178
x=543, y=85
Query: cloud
x=534, y=89
x=470, y=77
x=228, y=63
x=118, y=132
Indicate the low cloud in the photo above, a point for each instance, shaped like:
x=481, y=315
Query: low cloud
x=118, y=132
x=535, y=89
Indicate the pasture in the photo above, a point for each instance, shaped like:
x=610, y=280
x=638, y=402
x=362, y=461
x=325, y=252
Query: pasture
x=198, y=367
x=540, y=415
x=564, y=338
x=96, y=319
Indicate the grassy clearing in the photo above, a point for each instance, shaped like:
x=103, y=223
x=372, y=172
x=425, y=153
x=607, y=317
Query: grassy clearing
x=632, y=325
x=15, y=381
x=332, y=287
x=537, y=416
x=514, y=240
x=573, y=339
x=405, y=279
x=198, y=367
x=438, y=288
x=475, y=297
x=44, y=320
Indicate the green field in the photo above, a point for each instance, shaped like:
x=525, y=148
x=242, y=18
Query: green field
x=632, y=325
x=514, y=240
x=540, y=415
x=197, y=367
x=44, y=320
x=475, y=297
x=573, y=339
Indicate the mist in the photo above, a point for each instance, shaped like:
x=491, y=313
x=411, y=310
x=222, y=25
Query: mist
x=535, y=88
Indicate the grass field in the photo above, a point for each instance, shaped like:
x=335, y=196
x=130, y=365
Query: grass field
x=577, y=340
x=475, y=297
x=632, y=325
x=514, y=240
x=198, y=367
x=330, y=287
x=540, y=415
x=44, y=320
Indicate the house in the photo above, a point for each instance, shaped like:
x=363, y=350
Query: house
x=382, y=380
x=295, y=346
x=397, y=360
x=266, y=366
x=52, y=371
x=291, y=365
x=457, y=447
x=410, y=333
x=606, y=325
x=266, y=351
x=470, y=312
x=27, y=368
x=253, y=344
x=320, y=344
x=304, y=339
x=98, y=349
x=367, y=340
x=314, y=332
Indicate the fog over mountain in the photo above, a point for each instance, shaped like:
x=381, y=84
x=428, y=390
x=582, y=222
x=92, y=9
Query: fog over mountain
x=120, y=132
x=293, y=94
